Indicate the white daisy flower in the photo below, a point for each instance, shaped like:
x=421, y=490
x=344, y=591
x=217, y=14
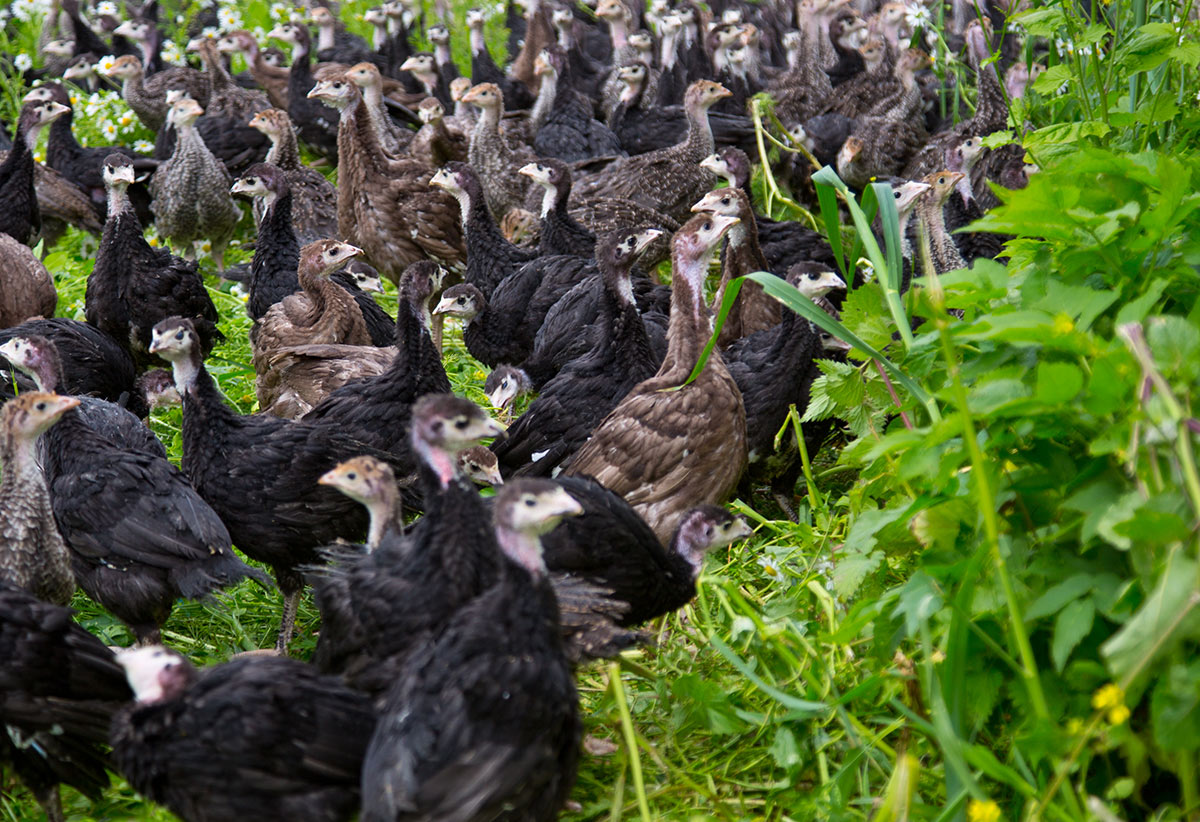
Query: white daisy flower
x=917, y=16
x=107, y=7
x=210, y=32
x=109, y=130
x=23, y=62
x=104, y=64
x=143, y=146
x=229, y=19
x=172, y=54
x=278, y=11
x=771, y=567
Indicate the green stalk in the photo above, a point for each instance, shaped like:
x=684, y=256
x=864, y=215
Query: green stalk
x=635, y=760
x=991, y=522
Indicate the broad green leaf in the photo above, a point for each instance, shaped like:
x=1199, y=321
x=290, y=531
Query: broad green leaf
x=1049, y=81
x=1176, y=346
x=1156, y=625
x=1175, y=708
x=1057, y=382
x=1073, y=623
x=1055, y=598
x=784, y=749
x=864, y=531
x=1066, y=133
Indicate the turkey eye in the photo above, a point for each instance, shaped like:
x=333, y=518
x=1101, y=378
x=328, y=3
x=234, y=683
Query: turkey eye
x=462, y=300
x=460, y=424
x=724, y=201
x=814, y=276
x=708, y=226
x=530, y=502
x=504, y=383
x=941, y=180
x=41, y=406
x=352, y=476
x=179, y=335
x=896, y=195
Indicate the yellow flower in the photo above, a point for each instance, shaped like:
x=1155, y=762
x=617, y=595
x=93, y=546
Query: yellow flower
x=1063, y=324
x=1075, y=726
x=1118, y=715
x=1110, y=696
x=152, y=241
x=987, y=811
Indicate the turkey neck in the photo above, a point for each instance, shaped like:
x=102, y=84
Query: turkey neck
x=19, y=471
x=628, y=336
x=189, y=145
x=118, y=203
x=373, y=96
x=690, y=324
x=325, y=37
x=700, y=141
x=546, y=101
x=946, y=256
x=276, y=255
x=478, y=43
x=284, y=152
x=618, y=34
x=382, y=512
x=523, y=549
x=321, y=291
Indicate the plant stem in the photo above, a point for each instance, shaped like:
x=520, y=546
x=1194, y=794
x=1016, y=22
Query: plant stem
x=635, y=761
x=991, y=522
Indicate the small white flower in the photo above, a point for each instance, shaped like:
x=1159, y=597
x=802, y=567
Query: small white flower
x=109, y=130
x=917, y=16
x=104, y=64
x=107, y=8
x=771, y=567
x=91, y=109
x=229, y=19
x=171, y=53
x=23, y=62
x=1063, y=89
x=210, y=32
x=4, y=13
x=278, y=11
x=143, y=146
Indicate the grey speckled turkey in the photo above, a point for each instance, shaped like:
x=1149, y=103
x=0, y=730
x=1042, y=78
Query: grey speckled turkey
x=191, y=190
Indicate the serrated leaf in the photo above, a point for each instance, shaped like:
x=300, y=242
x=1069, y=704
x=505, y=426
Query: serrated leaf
x=864, y=531
x=1074, y=622
x=851, y=570
x=820, y=405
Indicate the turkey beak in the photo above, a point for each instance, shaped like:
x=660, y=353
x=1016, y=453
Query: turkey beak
x=318, y=90
x=126, y=29
x=500, y=398
x=724, y=222
x=194, y=44
x=531, y=170
x=740, y=529
x=838, y=282
x=349, y=251
x=74, y=71
x=124, y=174
x=444, y=306
x=706, y=202
x=372, y=284
x=277, y=33
x=411, y=64
x=238, y=187
x=834, y=344
x=55, y=111
x=64, y=404
x=720, y=93
x=648, y=236
x=709, y=164
x=492, y=428
x=330, y=477
x=563, y=504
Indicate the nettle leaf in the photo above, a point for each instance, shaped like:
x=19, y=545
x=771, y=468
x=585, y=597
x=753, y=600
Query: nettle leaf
x=851, y=570
x=864, y=531
x=820, y=406
x=1074, y=622
x=919, y=600
x=1121, y=510
x=865, y=312
x=1175, y=708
